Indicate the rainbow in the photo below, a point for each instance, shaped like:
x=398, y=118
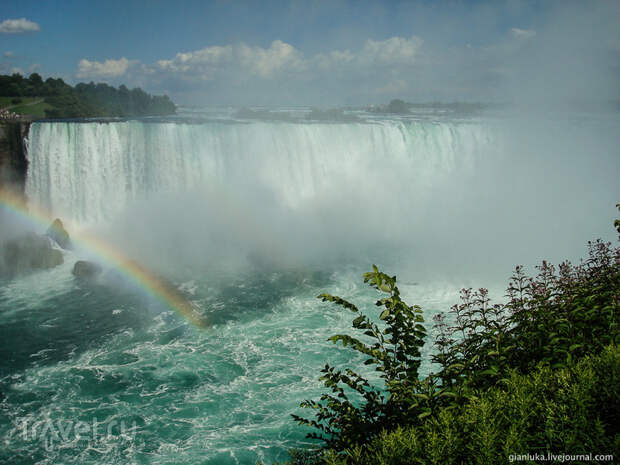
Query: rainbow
x=155, y=285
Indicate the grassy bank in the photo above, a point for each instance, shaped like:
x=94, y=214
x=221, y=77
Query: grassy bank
x=27, y=106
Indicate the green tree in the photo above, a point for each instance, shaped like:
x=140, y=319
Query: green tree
x=549, y=323
x=397, y=106
x=356, y=410
x=85, y=100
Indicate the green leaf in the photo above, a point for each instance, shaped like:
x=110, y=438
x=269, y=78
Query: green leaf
x=339, y=301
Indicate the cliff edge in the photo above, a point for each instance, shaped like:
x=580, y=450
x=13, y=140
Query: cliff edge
x=13, y=161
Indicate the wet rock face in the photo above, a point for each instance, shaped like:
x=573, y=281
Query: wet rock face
x=27, y=253
x=58, y=233
x=13, y=161
x=30, y=252
x=86, y=270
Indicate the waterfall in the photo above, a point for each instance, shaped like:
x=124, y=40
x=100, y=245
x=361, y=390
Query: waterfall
x=87, y=172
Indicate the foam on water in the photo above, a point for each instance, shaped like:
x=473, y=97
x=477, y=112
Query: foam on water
x=415, y=197
x=220, y=396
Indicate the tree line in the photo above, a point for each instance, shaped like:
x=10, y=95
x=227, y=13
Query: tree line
x=85, y=100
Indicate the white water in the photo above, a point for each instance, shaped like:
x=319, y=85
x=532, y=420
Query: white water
x=87, y=172
x=447, y=196
x=429, y=201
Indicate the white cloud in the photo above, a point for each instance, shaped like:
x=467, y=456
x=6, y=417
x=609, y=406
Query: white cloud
x=280, y=59
x=106, y=69
x=463, y=56
x=258, y=61
x=450, y=63
x=396, y=50
x=280, y=56
x=18, y=26
x=279, y=69
x=333, y=58
x=522, y=33
x=199, y=60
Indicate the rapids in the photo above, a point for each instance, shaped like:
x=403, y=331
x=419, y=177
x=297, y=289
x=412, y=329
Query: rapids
x=251, y=220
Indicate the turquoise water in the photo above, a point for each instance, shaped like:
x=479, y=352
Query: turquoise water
x=250, y=221
x=158, y=389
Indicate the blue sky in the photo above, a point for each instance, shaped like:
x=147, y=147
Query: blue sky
x=352, y=52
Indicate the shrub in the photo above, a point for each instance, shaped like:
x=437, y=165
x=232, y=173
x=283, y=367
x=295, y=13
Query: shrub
x=395, y=353
x=573, y=410
x=556, y=317
x=507, y=379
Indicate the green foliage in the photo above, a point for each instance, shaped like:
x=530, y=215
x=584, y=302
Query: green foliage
x=553, y=318
x=36, y=108
x=68, y=106
x=85, y=100
x=397, y=106
x=574, y=410
x=123, y=102
x=520, y=377
x=18, y=86
x=394, y=350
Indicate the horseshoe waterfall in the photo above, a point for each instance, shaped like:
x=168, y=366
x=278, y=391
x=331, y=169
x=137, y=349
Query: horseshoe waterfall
x=248, y=221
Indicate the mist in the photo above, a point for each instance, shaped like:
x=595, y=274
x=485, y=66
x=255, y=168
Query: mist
x=520, y=191
x=208, y=231
x=539, y=187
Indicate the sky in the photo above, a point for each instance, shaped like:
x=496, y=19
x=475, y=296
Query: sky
x=322, y=52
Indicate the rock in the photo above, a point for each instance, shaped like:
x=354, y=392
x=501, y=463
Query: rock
x=85, y=269
x=29, y=252
x=58, y=233
x=13, y=160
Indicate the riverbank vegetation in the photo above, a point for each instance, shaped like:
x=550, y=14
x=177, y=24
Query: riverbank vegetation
x=53, y=98
x=538, y=374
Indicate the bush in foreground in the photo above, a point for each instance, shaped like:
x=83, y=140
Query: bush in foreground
x=573, y=411
x=510, y=380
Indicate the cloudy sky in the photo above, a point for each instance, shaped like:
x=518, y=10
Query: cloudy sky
x=322, y=52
